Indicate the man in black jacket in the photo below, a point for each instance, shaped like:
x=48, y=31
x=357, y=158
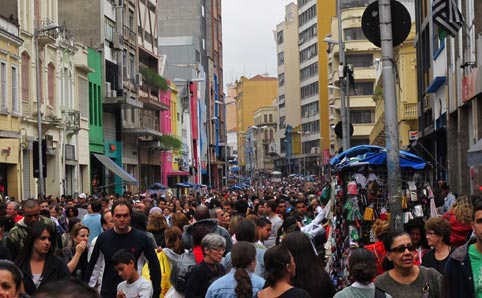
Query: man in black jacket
x=122, y=236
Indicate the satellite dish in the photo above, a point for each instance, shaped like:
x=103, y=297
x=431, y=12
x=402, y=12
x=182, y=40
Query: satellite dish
x=401, y=23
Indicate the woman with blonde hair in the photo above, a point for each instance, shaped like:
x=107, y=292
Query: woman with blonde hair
x=460, y=219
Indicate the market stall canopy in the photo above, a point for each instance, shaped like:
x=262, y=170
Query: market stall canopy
x=374, y=155
x=474, y=154
x=157, y=186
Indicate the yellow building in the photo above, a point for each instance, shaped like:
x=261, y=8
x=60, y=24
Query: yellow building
x=10, y=133
x=258, y=91
x=326, y=11
x=406, y=64
x=361, y=55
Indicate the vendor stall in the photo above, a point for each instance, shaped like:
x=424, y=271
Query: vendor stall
x=361, y=197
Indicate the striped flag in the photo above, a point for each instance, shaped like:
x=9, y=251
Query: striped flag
x=447, y=15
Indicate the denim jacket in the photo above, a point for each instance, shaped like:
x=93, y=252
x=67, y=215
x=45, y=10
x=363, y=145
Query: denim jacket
x=224, y=286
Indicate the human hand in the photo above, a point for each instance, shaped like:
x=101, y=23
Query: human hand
x=121, y=294
x=80, y=248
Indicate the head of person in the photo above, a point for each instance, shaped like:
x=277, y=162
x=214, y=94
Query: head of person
x=66, y=288
x=40, y=240
x=228, y=207
x=121, y=214
x=279, y=264
x=12, y=209
x=243, y=257
x=125, y=265
x=55, y=211
x=477, y=221
x=96, y=206
x=233, y=224
x=263, y=228
x=463, y=209
x=259, y=208
x=106, y=220
x=399, y=248
x=437, y=230
x=241, y=207
x=416, y=229
x=156, y=222
x=381, y=228
x=300, y=206
x=179, y=220
x=281, y=206
x=173, y=239
x=79, y=233
x=362, y=265
x=44, y=205
x=201, y=212
x=31, y=211
x=71, y=211
x=444, y=188
x=213, y=247
x=220, y=216
x=10, y=279
x=246, y=231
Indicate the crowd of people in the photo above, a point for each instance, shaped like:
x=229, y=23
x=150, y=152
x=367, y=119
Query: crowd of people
x=265, y=242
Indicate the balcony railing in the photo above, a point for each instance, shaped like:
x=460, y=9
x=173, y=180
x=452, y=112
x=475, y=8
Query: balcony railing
x=409, y=111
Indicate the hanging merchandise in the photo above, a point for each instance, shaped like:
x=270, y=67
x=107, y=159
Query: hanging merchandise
x=361, y=197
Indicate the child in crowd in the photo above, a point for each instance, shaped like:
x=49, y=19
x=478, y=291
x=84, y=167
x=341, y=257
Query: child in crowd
x=134, y=285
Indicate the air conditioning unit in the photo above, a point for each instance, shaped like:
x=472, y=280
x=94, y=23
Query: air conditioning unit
x=139, y=79
x=117, y=41
x=108, y=89
x=114, y=93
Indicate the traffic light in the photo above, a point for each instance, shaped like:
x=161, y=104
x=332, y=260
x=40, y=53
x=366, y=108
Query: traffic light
x=35, y=159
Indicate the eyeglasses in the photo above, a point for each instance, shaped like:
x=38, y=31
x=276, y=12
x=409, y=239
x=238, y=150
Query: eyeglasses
x=218, y=249
x=400, y=249
x=430, y=233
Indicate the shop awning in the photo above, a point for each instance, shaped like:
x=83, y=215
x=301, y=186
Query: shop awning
x=116, y=169
x=474, y=154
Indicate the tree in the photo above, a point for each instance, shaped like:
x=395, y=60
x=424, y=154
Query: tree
x=170, y=143
x=153, y=80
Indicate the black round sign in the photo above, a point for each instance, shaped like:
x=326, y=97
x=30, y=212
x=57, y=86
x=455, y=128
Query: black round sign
x=339, y=130
x=401, y=23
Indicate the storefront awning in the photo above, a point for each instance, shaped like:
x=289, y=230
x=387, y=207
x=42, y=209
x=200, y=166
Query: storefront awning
x=178, y=173
x=116, y=169
x=474, y=154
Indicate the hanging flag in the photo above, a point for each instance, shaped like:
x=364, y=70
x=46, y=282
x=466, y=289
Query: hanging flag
x=447, y=15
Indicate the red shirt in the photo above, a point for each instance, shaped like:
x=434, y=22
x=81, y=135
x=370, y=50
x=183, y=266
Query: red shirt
x=18, y=218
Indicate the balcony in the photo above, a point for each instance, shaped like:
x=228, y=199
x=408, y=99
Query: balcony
x=408, y=111
x=113, y=102
x=151, y=102
x=147, y=127
x=377, y=135
x=129, y=35
x=48, y=36
x=72, y=121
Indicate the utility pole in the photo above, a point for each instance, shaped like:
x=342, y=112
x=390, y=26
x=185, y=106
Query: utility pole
x=391, y=117
x=341, y=72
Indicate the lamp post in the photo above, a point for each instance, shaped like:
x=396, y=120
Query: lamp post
x=41, y=180
x=302, y=147
x=226, y=166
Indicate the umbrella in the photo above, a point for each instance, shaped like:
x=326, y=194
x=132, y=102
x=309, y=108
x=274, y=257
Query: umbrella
x=235, y=187
x=157, y=186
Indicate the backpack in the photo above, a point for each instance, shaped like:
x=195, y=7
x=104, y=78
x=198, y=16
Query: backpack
x=180, y=271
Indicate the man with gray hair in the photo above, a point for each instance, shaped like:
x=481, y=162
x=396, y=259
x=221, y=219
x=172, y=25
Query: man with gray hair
x=12, y=211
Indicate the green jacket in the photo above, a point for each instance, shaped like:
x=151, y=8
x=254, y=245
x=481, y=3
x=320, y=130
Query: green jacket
x=18, y=234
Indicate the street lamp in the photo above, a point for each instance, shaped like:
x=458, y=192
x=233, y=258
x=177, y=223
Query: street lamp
x=226, y=166
x=41, y=180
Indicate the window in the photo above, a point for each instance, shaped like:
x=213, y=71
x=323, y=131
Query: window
x=362, y=88
x=309, y=71
x=131, y=19
x=309, y=53
x=281, y=79
x=3, y=87
x=109, y=29
x=307, y=34
x=354, y=34
x=309, y=90
x=83, y=96
x=66, y=89
x=51, y=84
x=302, y=3
x=364, y=60
x=279, y=37
x=270, y=118
x=361, y=116
x=15, y=104
x=132, y=67
x=281, y=58
x=25, y=77
x=306, y=16
x=265, y=118
x=41, y=81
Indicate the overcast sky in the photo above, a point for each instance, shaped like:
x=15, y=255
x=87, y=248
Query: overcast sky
x=248, y=43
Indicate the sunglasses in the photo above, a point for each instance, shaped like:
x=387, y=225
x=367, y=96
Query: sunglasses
x=400, y=249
